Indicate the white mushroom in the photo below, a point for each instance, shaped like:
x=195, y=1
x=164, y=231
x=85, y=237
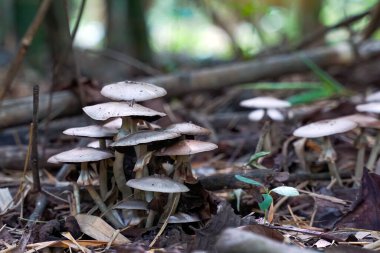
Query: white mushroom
x=324, y=129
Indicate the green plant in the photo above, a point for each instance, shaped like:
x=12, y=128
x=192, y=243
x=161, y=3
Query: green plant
x=267, y=197
x=254, y=159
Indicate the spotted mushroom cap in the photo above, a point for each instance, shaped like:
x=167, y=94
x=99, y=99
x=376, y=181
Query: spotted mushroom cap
x=265, y=103
x=187, y=147
x=94, y=131
x=325, y=128
x=130, y=90
x=188, y=128
x=363, y=120
x=80, y=155
x=144, y=137
x=108, y=110
x=117, y=123
x=157, y=184
x=370, y=107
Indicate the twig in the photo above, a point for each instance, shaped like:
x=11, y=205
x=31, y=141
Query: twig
x=320, y=32
x=374, y=23
x=34, y=152
x=79, y=18
x=25, y=43
x=126, y=59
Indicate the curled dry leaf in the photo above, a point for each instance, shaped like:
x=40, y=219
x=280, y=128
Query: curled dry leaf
x=98, y=229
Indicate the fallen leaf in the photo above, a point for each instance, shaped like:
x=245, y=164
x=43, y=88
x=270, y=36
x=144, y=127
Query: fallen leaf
x=98, y=229
x=365, y=212
x=322, y=244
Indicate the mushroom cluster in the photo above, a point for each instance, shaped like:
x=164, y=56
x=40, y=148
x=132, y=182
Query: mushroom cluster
x=160, y=157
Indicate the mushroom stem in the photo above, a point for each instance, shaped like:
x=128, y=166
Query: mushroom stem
x=263, y=141
x=329, y=157
x=361, y=145
x=374, y=153
x=143, y=159
x=152, y=214
x=119, y=175
x=102, y=143
x=103, y=179
x=130, y=126
x=102, y=207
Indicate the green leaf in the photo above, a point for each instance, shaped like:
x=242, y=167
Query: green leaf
x=310, y=96
x=286, y=191
x=283, y=86
x=257, y=156
x=265, y=204
x=248, y=181
x=328, y=82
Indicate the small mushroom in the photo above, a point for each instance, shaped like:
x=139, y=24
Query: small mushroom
x=140, y=141
x=266, y=108
x=181, y=152
x=83, y=156
x=324, y=129
x=364, y=122
x=372, y=108
x=157, y=184
x=101, y=133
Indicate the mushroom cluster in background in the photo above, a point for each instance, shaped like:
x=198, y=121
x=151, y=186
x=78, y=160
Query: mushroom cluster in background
x=148, y=192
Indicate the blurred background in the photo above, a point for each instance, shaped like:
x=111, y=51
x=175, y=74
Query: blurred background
x=124, y=39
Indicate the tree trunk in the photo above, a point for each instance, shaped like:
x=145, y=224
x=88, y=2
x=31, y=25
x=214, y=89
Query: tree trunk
x=60, y=43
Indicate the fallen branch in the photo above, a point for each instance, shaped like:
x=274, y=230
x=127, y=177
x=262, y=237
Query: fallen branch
x=18, y=111
x=228, y=181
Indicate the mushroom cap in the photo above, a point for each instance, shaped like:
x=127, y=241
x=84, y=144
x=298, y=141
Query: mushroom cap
x=363, y=120
x=256, y=115
x=325, y=128
x=80, y=155
x=118, y=122
x=187, y=147
x=265, y=103
x=157, y=184
x=370, y=107
x=95, y=144
x=132, y=204
x=188, y=128
x=130, y=90
x=144, y=137
x=94, y=131
x=183, y=218
x=108, y=110
x=374, y=97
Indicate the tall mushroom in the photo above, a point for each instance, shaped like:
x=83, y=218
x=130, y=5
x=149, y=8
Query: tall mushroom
x=84, y=156
x=324, y=129
x=129, y=113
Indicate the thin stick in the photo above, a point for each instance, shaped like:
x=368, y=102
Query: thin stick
x=34, y=152
x=25, y=43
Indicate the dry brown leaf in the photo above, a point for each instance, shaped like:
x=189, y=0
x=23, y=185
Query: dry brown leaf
x=63, y=244
x=98, y=229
